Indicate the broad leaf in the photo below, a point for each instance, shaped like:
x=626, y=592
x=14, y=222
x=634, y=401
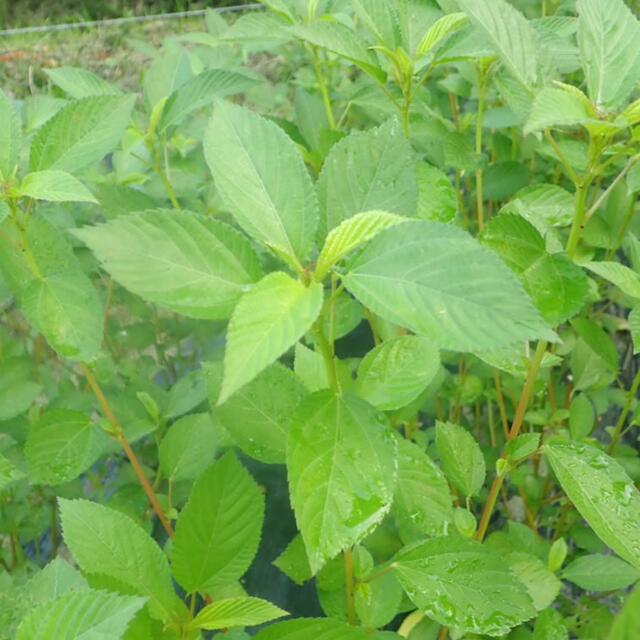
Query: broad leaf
x=80, y=83
x=218, y=531
x=601, y=573
x=56, y=578
x=509, y=33
x=287, y=310
x=422, y=502
x=81, y=133
x=627, y=280
x=87, y=615
x=608, y=33
x=236, y=612
x=461, y=457
x=341, y=462
x=258, y=415
x=603, y=494
x=634, y=328
x=557, y=108
x=293, y=561
x=438, y=281
x=270, y=194
x=61, y=445
x=177, y=259
x=10, y=136
x=543, y=205
x=437, y=199
x=396, y=372
x=367, y=171
x=320, y=628
x=108, y=542
x=463, y=584
x=626, y=625
x=9, y=473
x=54, y=186
x=440, y=30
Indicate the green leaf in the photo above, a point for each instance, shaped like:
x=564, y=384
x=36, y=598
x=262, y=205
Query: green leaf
x=422, y=502
x=61, y=445
x=200, y=92
x=542, y=584
x=270, y=194
x=510, y=34
x=397, y=371
x=236, y=612
x=634, y=328
x=306, y=628
x=293, y=561
x=438, y=281
x=603, y=494
x=600, y=573
x=350, y=234
x=188, y=447
x=461, y=458
x=16, y=395
x=543, y=205
x=107, y=542
x=81, y=133
x=10, y=137
x=557, y=108
x=625, y=279
x=440, y=30
x=56, y=578
x=87, y=615
x=377, y=602
x=79, y=83
x=607, y=35
x=288, y=309
x=54, y=186
x=9, y=473
x=370, y=170
x=463, y=584
x=556, y=285
x=259, y=414
x=626, y=625
x=341, y=462
x=581, y=417
x=523, y=446
x=167, y=73
x=177, y=259
x=550, y=626
x=218, y=531
x=437, y=198
x=343, y=41
x=185, y=395
x=66, y=309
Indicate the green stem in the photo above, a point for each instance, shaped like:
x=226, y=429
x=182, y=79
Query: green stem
x=482, y=90
x=24, y=241
x=563, y=159
x=322, y=85
x=349, y=586
x=406, y=110
x=326, y=350
x=631, y=396
x=582, y=191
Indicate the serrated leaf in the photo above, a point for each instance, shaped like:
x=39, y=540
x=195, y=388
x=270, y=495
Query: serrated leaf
x=634, y=328
x=542, y=584
x=270, y=195
x=557, y=287
x=320, y=628
x=177, y=259
x=627, y=280
x=378, y=602
x=108, y=542
x=343, y=41
x=79, y=83
x=293, y=561
x=65, y=308
x=9, y=473
x=10, y=136
x=254, y=341
x=441, y=29
x=350, y=234
x=550, y=626
x=543, y=205
x=437, y=198
x=61, y=445
x=439, y=282
x=603, y=494
x=258, y=415
x=224, y=513
x=88, y=615
x=54, y=186
x=341, y=462
x=81, y=133
x=607, y=35
x=200, y=92
x=463, y=584
x=461, y=457
x=523, y=446
x=422, y=502
x=370, y=170
x=56, y=578
x=510, y=34
x=598, y=572
x=16, y=395
x=397, y=371
x=236, y=612
x=556, y=108
x=188, y=447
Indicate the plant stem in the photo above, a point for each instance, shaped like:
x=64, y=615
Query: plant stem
x=24, y=241
x=501, y=406
x=348, y=581
x=410, y=623
x=322, y=85
x=406, y=109
x=482, y=89
x=582, y=191
x=565, y=163
x=523, y=403
x=126, y=447
x=326, y=351
x=631, y=396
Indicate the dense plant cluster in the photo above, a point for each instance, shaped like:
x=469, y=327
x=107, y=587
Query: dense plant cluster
x=373, y=261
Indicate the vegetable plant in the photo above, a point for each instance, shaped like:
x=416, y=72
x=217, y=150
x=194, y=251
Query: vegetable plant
x=328, y=331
